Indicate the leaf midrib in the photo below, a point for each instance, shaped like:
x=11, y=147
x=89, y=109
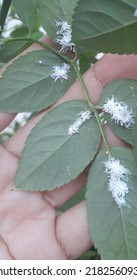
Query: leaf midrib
x=106, y=33
x=52, y=154
x=124, y=229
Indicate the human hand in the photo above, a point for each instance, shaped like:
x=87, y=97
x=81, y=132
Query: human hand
x=30, y=227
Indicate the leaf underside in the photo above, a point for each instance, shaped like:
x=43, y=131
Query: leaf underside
x=27, y=86
x=11, y=49
x=52, y=11
x=27, y=13
x=106, y=25
x=51, y=157
x=113, y=229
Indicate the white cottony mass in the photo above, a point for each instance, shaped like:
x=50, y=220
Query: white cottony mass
x=116, y=170
x=60, y=72
x=84, y=116
x=119, y=112
x=63, y=26
x=64, y=36
x=118, y=177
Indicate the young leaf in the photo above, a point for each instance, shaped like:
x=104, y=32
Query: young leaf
x=55, y=10
x=53, y=157
x=106, y=25
x=21, y=31
x=85, y=61
x=27, y=13
x=124, y=90
x=113, y=229
x=27, y=86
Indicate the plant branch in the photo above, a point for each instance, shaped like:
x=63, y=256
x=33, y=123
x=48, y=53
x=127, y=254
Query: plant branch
x=42, y=44
x=91, y=106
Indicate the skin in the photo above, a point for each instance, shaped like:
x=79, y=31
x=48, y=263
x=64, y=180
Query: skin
x=30, y=226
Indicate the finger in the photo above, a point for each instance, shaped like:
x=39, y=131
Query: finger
x=59, y=196
x=113, y=66
x=6, y=119
x=4, y=251
x=113, y=139
x=15, y=144
x=8, y=168
x=73, y=231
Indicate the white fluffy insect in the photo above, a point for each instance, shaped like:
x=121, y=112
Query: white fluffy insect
x=118, y=177
x=63, y=26
x=116, y=170
x=65, y=36
x=83, y=117
x=60, y=72
x=119, y=112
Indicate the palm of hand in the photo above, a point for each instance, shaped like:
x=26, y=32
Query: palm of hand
x=30, y=228
x=27, y=219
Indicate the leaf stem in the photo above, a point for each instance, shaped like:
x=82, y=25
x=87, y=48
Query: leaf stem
x=42, y=44
x=91, y=106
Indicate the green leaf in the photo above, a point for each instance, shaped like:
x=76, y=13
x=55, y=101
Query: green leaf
x=26, y=11
x=85, y=61
x=106, y=25
x=113, y=229
x=51, y=156
x=50, y=11
x=21, y=31
x=124, y=90
x=27, y=86
x=90, y=255
x=11, y=49
x=1, y=64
